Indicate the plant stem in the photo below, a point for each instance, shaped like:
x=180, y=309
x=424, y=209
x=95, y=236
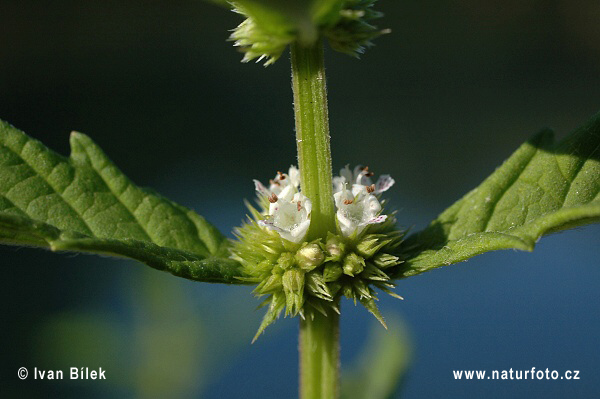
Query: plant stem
x=312, y=136
x=319, y=336
x=320, y=356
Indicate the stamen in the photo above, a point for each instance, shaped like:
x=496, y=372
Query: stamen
x=273, y=198
x=274, y=182
x=348, y=201
x=365, y=172
x=281, y=175
x=371, y=188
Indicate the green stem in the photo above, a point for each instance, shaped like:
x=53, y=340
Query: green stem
x=319, y=336
x=320, y=356
x=312, y=136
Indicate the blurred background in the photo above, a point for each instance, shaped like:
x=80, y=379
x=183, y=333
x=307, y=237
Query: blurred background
x=439, y=103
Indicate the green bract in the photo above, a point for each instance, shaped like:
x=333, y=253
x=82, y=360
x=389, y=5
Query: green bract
x=271, y=25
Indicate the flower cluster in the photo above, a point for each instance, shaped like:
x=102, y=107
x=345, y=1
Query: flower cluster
x=303, y=277
x=270, y=26
x=355, y=198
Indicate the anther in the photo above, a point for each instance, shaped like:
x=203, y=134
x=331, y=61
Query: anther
x=281, y=175
x=273, y=198
x=370, y=188
x=299, y=206
x=348, y=201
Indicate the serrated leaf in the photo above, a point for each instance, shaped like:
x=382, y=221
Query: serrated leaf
x=544, y=187
x=84, y=203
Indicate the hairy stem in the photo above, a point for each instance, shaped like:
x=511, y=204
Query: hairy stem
x=320, y=356
x=312, y=136
x=319, y=336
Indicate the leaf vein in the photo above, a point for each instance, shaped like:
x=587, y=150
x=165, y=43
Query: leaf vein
x=511, y=183
x=581, y=163
x=30, y=166
x=108, y=186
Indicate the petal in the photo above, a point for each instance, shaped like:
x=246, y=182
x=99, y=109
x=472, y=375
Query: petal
x=347, y=226
x=384, y=183
x=360, y=176
x=260, y=188
x=346, y=174
x=337, y=198
x=304, y=202
x=294, y=175
x=297, y=234
x=338, y=183
x=342, y=196
x=273, y=207
x=358, y=190
x=357, y=170
x=375, y=220
x=308, y=206
x=287, y=194
x=373, y=204
x=275, y=188
x=269, y=225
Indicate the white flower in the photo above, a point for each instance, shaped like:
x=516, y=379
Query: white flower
x=280, y=182
x=289, y=214
x=356, y=209
x=362, y=176
x=289, y=210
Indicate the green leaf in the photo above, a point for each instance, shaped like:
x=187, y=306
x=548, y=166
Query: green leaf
x=84, y=203
x=544, y=187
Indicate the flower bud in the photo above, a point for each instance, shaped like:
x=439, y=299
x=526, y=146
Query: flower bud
x=384, y=261
x=293, y=281
x=334, y=287
x=348, y=292
x=370, y=244
x=286, y=261
x=353, y=264
x=263, y=267
x=309, y=257
x=335, y=247
x=316, y=286
x=332, y=271
x=293, y=286
x=372, y=272
x=272, y=283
